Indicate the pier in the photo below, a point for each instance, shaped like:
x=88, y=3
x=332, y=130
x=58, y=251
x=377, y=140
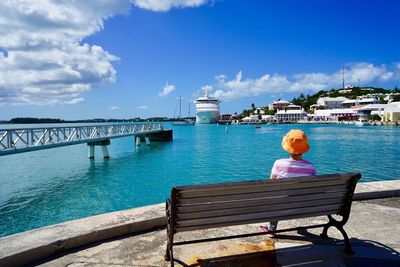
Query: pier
x=20, y=140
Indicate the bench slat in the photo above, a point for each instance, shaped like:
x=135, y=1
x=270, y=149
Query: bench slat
x=257, y=209
x=292, y=192
x=261, y=215
x=256, y=182
x=259, y=219
x=262, y=187
x=260, y=201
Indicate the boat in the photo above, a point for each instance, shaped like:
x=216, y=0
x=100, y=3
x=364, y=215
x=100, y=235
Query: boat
x=207, y=109
x=185, y=122
x=362, y=122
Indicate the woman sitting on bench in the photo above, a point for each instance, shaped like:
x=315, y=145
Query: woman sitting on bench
x=295, y=143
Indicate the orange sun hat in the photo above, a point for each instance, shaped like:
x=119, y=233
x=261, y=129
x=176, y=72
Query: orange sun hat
x=295, y=142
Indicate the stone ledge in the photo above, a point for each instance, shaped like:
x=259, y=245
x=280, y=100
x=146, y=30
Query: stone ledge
x=30, y=246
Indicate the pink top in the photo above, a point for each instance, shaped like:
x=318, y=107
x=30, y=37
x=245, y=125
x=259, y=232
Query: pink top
x=288, y=168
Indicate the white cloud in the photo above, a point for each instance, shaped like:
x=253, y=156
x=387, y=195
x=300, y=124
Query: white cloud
x=165, y=5
x=167, y=89
x=363, y=72
x=43, y=60
x=114, y=108
x=141, y=107
x=75, y=101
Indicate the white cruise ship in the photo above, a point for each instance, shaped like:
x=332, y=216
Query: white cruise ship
x=207, y=109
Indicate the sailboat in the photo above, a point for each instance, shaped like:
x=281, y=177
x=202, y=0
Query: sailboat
x=186, y=122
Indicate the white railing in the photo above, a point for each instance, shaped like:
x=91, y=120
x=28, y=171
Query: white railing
x=28, y=139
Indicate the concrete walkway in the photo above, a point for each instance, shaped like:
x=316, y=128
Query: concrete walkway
x=374, y=229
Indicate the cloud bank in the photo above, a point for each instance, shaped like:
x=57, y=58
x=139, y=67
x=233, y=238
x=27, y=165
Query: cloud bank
x=43, y=60
x=276, y=83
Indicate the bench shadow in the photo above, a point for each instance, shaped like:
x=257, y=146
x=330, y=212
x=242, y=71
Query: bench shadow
x=254, y=259
x=321, y=252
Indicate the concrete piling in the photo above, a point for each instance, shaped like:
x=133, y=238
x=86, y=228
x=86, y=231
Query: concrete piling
x=91, y=151
x=105, y=152
x=147, y=139
x=103, y=144
x=137, y=140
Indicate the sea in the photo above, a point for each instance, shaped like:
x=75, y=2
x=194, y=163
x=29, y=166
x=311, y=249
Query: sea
x=51, y=186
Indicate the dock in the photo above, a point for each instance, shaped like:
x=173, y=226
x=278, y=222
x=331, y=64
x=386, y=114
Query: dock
x=21, y=140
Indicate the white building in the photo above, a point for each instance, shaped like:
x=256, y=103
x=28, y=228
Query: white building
x=349, y=103
x=372, y=109
x=293, y=107
x=335, y=114
x=368, y=101
x=290, y=115
x=253, y=118
x=392, y=112
x=331, y=102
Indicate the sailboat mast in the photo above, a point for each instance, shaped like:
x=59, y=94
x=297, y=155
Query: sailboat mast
x=180, y=108
x=189, y=108
x=343, y=78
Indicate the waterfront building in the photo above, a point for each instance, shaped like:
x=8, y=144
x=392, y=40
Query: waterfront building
x=368, y=101
x=331, y=102
x=349, y=103
x=293, y=107
x=280, y=104
x=352, y=103
x=372, y=109
x=225, y=119
x=290, y=115
x=268, y=118
x=314, y=107
x=374, y=96
x=392, y=112
x=253, y=118
x=335, y=114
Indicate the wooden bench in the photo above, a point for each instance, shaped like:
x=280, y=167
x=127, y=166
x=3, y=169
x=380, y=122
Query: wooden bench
x=198, y=207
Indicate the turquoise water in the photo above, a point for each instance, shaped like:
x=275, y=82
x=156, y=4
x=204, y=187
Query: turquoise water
x=51, y=186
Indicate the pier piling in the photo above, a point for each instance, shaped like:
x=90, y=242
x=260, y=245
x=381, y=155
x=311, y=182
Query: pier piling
x=105, y=152
x=91, y=151
x=147, y=139
x=137, y=140
x=103, y=144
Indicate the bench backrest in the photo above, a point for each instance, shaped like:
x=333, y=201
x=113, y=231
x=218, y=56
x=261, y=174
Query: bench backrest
x=216, y=205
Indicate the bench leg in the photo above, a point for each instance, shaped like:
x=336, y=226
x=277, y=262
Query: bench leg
x=347, y=248
x=339, y=225
x=168, y=253
x=324, y=233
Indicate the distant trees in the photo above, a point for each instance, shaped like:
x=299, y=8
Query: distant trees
x=35, y=120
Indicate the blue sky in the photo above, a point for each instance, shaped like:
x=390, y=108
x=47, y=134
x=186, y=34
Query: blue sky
x=113, y=59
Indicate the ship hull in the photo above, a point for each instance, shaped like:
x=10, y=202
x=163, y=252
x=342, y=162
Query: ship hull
x=207, y=117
